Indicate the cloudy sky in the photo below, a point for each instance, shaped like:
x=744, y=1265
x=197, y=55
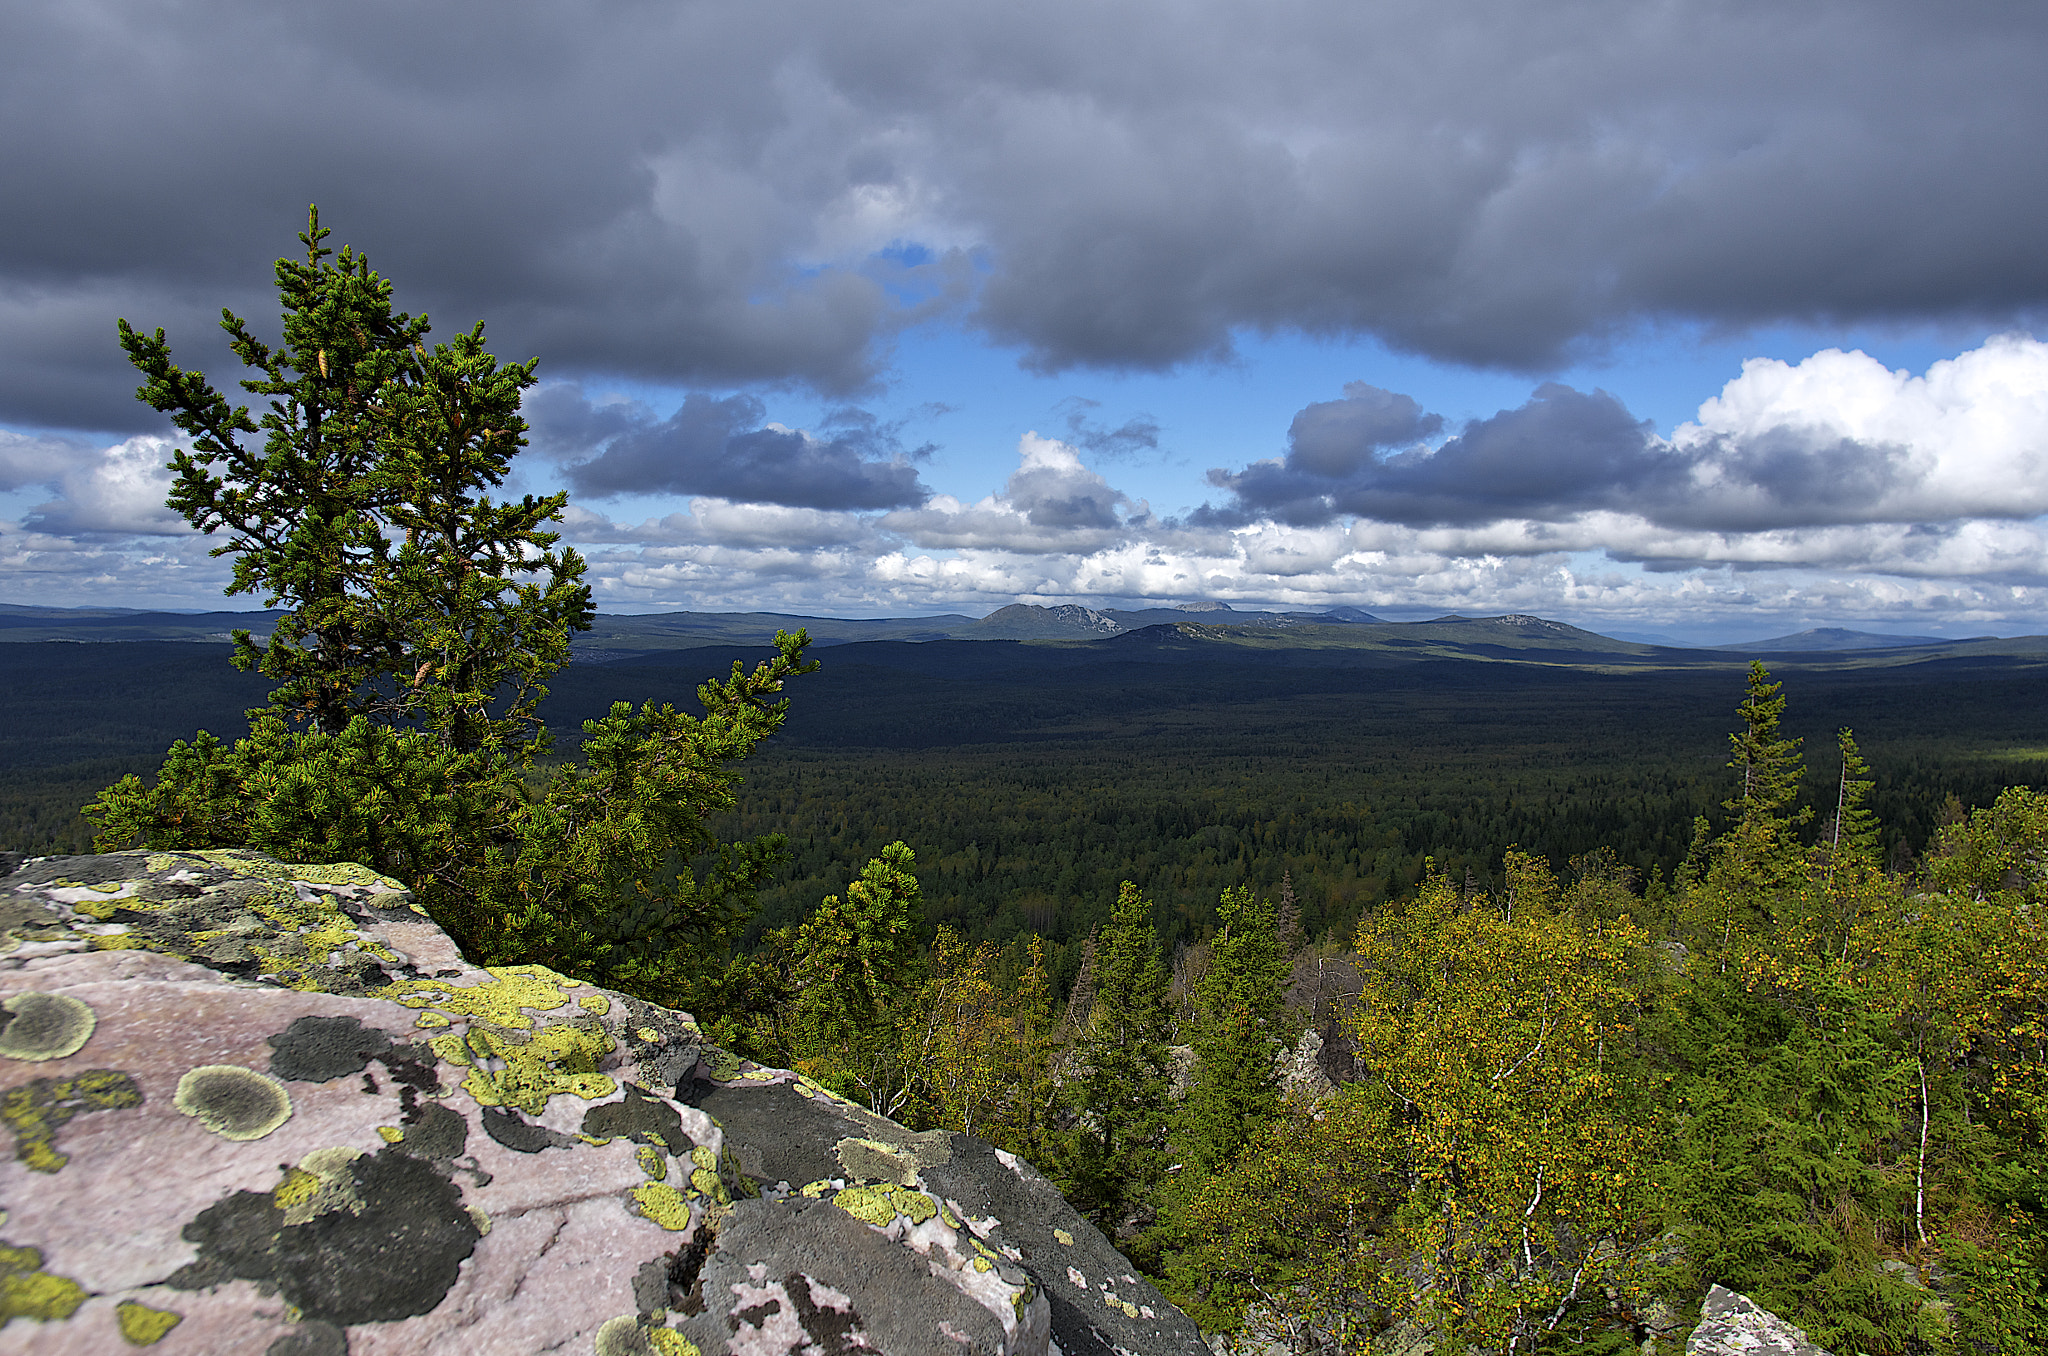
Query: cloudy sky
x=1715, y=320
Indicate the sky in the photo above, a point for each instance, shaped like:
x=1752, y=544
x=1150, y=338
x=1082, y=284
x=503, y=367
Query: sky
x=1714, y=321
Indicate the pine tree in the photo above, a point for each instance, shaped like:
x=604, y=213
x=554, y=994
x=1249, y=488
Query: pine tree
x=412, y=597
x=858, y=971
x=423, y=622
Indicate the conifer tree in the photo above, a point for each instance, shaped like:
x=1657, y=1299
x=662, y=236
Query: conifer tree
x=1115, y=1156
x=1760, y=847
x=1236, y=1037
x=411, y=596
x=858, y=970
x=423, y=620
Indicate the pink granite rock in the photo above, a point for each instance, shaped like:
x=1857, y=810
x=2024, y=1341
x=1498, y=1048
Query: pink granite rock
x=259, y=1108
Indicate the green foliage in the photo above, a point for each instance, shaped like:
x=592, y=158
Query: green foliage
x=1236, y=1036
x=1288, y=1238
x=360, y=510
x=857, y=967
x=423, y=621
x=1115, y=1156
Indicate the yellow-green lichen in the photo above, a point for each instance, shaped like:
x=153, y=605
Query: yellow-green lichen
x=635, y=1335
x=706, y=1182
x=877, y=1205
x=595, y=1003
x=28, y=1291
x=37, y=1109
x=390, y=1134
x=142, y=1326
x=815, y=1189
x=44, y=1026
x=1063, y=1236
x=557, y=1059
x=669, y=1342
x=500, y=1001
x=725, y=1065
x=505, y=1067
x=323, y=1182
x=648, y=1034
x=663, y=1204
x=233, y=1102
x=704, y=1158
x=652, y=1162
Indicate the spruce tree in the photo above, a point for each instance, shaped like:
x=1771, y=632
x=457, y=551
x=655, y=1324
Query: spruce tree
x=1115, y=1156
x=1236, y=1038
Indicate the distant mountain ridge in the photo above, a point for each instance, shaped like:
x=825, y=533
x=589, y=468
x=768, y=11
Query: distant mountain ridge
x=1837, y=638
x=1168, y=633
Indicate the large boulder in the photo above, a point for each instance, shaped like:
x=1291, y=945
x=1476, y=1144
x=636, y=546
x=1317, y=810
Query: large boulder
x=1736, y=1325
x=262, y=1108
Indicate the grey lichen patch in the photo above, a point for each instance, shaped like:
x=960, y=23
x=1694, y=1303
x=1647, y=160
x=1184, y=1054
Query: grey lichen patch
x=39, y=1026
x=644, y=1119
x=233, y=1102
x=868, y=1160
x=346, y=1238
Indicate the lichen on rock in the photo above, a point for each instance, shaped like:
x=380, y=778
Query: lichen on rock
x=359, y=1132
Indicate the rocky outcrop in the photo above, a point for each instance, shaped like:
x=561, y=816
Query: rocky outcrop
x=1736, y=1325
x=260, y=1108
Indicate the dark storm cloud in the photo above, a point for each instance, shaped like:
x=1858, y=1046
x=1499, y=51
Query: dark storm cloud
x=714, y=446
x=1561, y=454
x=721, y=195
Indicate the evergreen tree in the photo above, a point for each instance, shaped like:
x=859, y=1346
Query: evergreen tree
x=1236, y=1036
x=1760, y=847
x=857, y=973
x=1115, y=1156
x=423, y=621
x=412, y=597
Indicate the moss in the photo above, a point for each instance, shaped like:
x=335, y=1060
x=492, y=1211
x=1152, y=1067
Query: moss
x=44, y=1026
x=28, y=1291
x=233, y=1102
x=663, y=1204
x=143, y=1326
